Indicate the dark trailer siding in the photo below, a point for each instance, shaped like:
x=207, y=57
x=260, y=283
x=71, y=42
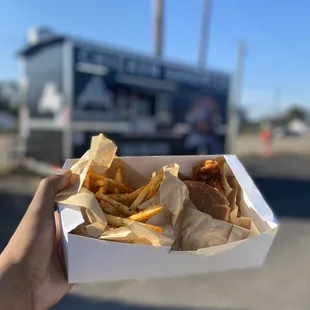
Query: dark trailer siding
x=45, y=64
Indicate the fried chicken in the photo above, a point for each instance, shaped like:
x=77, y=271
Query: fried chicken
x=209, y=172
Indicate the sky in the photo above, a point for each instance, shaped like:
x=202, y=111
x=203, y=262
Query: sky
x=276, y=34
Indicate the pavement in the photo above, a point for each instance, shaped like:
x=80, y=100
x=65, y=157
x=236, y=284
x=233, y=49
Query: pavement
x=289, y=166
x=281, y=283
x=250, y=144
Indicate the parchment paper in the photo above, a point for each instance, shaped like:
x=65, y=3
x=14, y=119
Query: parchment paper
x=199, y=230
x=230, y=192
x=233, y=193
x=100, y=157
x=181, y=221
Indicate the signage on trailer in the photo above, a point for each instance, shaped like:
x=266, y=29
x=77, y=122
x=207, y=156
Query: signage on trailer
x=126, y=63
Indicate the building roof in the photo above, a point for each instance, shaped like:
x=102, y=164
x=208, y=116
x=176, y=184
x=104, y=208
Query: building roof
x=31, y=49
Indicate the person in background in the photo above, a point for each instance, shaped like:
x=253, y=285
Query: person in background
x=203, y=118
x=266, y=138
x=32, y=269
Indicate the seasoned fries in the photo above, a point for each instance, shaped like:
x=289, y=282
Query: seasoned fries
x=115, y=221
x=152, y=192
x=119, y=202
x=113, y=183
x=127, y=198
x=144, y=215
x=154, y=182
x=107, y=208
x=104, y=188
x=122, y=208
x=118, y=179
x=86, y=183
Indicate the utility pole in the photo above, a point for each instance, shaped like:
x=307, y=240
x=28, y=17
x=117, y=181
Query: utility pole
x=277, y=101
x=204, y=33
x=158, y=28
x=235, y=98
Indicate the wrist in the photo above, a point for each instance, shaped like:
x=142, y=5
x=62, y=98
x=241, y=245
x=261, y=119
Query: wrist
x=14, y=289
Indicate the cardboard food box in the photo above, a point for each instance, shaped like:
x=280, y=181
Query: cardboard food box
x=92, y=260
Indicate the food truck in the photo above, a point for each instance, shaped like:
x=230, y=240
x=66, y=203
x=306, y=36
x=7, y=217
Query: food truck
x=74, y=89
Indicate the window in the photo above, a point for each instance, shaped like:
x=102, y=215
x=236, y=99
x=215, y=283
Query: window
x=122, y=104
x=164, y=108
x=145, y=105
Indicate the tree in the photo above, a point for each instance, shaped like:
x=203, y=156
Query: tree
x=3, y=102
x=246, y=125
x=242, y=115
x=9, y=97
x=295, y=112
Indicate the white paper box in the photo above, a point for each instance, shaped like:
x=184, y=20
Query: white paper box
x=91, y=260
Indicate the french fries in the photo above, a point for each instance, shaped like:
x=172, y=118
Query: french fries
x=154, y=182
x=144, y=215
x=119, y=202
x=114, y=184
x=152, y=192
x=115, y=221
x=104, y=188
x=107, y=208
x=86, y=183
x=122, y=208
x=127, y=199
x=118, y=179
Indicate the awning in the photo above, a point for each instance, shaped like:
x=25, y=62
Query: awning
x=155, y=84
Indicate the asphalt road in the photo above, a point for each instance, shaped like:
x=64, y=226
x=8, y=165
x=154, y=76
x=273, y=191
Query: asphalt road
x=282, y=283
x=284, y=166
x=250, y=144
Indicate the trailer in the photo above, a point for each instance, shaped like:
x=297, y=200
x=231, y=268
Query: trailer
x=74, y=89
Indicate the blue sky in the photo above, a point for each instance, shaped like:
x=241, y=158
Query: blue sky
x=277, y=34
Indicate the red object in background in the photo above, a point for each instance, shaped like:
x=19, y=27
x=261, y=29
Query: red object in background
x=266, y=136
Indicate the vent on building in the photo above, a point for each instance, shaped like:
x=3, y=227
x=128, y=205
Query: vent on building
x=37, y=35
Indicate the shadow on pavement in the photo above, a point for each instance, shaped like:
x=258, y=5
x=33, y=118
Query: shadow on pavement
x=80, y=303
x=286, y=197
x=12, y=209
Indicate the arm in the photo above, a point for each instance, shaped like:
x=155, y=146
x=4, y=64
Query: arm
x=32, y=273
x=14, y=293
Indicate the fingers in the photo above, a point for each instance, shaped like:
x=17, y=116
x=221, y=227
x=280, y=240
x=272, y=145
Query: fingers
x=43, y=201
x=58, y=249
x=58, y=228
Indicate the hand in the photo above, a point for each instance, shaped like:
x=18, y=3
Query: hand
x=32, y=269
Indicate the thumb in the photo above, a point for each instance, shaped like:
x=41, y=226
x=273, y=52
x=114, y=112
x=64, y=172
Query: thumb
x=43, y=201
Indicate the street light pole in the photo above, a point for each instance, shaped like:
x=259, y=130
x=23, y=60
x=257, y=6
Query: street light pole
x=235, y=98
x=158, y=28
x=277, y=101
x=204, y=33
